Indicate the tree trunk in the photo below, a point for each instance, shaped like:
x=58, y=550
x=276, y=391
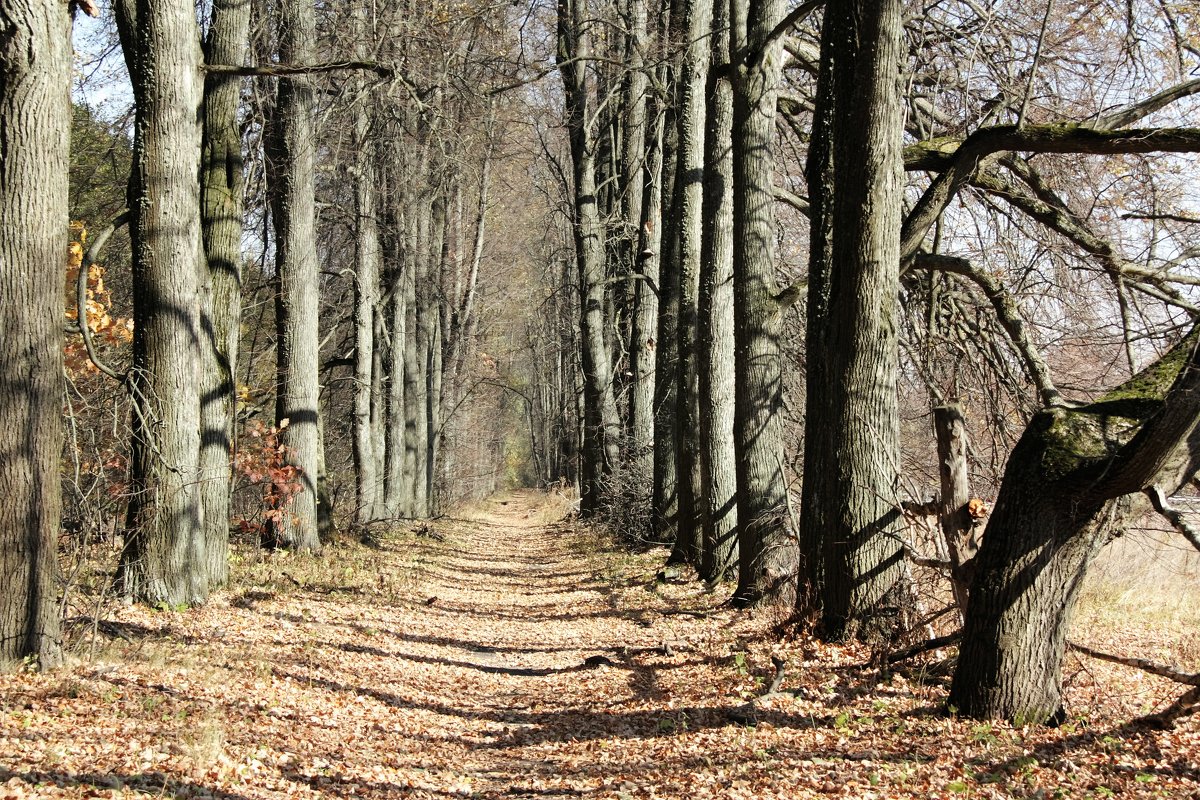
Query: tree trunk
x=366, y=293
x=641, y=253
x=35, y=125
x=164, y=561
x=953, y=512
x=600, y=421
x=696, y=23
x=767, y=551
x=297, y=301
x=419, y=337
x=716, y=356
x=221, y=180
x=851, y=523
x=1070, y=487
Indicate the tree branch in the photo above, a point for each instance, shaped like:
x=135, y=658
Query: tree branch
x=1008, y=315
x=91, y=257
x=1158, y=498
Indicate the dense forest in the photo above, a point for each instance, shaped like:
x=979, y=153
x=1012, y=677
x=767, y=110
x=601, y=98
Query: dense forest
x=876, y=311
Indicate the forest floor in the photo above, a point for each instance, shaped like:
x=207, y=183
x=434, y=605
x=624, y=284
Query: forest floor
x=505, y=654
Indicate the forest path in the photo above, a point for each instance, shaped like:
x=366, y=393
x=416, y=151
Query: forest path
x=504, y=654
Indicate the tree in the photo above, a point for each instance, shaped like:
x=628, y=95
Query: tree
x=601, y=424
x=164, y=548
x=852, y=555
x=291, y=159
x=35, y=120
x=221, y=208
x=1072, y=483
x=767, y=551
x=715, y=363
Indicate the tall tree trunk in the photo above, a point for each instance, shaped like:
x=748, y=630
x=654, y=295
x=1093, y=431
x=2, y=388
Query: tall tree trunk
x=716, y=352
x=397, y=309
x=600, y=421
x=856, y=179
x=164, y=561
x=221, y=181
x=35, y=125
x=696, y=24
x=366, y=292
x=1071, y=485
x=433, y=310
x=767, y=551
x=298, y=276
x=419, y=338
x=641, y=254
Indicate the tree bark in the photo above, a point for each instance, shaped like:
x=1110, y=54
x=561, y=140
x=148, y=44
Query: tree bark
x=953, y=513
x=366, y=293
x=298, y=276
x=767, y=550
x=696, y=23
x=716, y=349
x=641, y=245
x=1072, y=483
x=35, y=125
x=851, y=522
x=221, y=182
x=600, y=421
x=163, y=561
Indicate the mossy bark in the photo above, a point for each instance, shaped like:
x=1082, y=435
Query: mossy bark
x=1070, y=487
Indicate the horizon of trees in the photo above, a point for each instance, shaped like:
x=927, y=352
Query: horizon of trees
x=702, y=259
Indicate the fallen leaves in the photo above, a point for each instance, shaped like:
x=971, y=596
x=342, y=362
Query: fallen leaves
x=539, y=671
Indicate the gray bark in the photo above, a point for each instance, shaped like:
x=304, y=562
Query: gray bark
x=298, y=275
x=600, y=421
x=35, y=125
x=954, y=516
x=641, y=250
x=696, y=23
x=163, y=561
x=221, y=182
x=767, y=550
x=366, y=292
x=715, y=311
x=851, y=522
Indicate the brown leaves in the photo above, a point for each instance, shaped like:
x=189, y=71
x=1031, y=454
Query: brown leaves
x=530, y=676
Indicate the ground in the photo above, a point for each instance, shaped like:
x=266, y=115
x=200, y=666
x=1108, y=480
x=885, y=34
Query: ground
x=503, y=654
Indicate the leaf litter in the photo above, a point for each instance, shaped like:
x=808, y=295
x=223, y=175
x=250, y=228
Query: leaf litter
x=511, y=657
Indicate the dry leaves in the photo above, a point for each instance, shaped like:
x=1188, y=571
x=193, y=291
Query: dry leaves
x=546, y=668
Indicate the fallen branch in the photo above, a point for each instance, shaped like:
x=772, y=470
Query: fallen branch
x=1162, y=670
x=924, y=647
x=1187, y=704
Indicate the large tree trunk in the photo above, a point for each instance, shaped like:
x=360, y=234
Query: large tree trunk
x=221, y=179
x=696, y=24
x=298, y=276
x=164, y=561
x=600, y=421
x=35, y=125
x=716, y=357
x=767, y=551
x=1072, y=484
x=850, y=521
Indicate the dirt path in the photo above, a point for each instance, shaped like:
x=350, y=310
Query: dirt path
x=505, y=656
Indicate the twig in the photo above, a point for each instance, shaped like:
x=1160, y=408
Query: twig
x=1162, y=670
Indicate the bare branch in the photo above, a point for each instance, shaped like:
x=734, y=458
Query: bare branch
x=1008, y=315
x=91, y=257
x=1158, y=498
